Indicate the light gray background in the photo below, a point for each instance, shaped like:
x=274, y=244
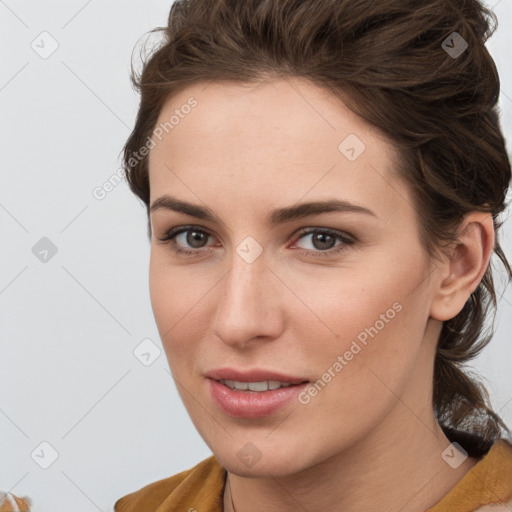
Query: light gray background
x=69, y=326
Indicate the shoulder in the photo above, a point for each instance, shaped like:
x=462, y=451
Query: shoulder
x=489, y=482
x=200, y=487
x=11, y=503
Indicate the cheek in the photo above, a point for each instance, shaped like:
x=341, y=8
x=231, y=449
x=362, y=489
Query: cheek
x=345, y=303
x=173, y=289
x=175, y=299
x=368, y=334
x=361, y=327
x=360, y=374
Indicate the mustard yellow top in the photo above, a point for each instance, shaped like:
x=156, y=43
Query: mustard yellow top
x=201, y=488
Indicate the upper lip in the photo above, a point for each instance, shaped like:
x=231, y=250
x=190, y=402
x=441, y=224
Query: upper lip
x=254, y=375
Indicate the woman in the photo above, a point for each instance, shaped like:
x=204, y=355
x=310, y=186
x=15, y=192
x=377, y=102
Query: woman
x=323, y=181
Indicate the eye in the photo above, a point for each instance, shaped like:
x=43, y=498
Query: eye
x=183, y=237
x=322, y=242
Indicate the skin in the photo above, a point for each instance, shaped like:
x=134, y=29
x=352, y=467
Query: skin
x=369, y=440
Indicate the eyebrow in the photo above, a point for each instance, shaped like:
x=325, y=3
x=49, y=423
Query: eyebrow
x=277, y=216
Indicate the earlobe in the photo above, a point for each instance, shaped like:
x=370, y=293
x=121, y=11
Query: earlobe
x=465, y=267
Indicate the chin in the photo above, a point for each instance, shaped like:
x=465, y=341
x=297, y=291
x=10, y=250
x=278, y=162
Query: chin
x=260, y=459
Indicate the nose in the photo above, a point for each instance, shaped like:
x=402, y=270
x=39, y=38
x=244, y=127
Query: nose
x=249, y=307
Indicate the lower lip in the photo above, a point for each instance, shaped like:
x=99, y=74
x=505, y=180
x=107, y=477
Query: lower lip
x=252, y=404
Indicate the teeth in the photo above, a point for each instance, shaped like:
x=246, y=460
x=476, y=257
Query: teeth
x=255, y=386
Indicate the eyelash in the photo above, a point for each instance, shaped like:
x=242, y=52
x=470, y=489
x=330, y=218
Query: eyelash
x=345, y=239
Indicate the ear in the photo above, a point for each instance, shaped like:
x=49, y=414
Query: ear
x=464, y=267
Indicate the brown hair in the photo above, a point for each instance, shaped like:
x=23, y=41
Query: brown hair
x=390, y=63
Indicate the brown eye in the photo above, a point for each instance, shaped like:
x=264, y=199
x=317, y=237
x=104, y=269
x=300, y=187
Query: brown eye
x=195, y=239
x=186, y=239
x=323, y=242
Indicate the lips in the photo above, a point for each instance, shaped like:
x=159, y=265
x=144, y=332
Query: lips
x=254, y=375
x=252, y=404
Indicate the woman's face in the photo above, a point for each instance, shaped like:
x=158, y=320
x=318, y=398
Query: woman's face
x=337, y=295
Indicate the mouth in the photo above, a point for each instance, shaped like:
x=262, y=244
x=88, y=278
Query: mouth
x=255, y=397
x=257, y=386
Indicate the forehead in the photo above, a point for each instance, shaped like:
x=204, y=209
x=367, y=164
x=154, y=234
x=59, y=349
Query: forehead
x=288, y=107
x=286, y=132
